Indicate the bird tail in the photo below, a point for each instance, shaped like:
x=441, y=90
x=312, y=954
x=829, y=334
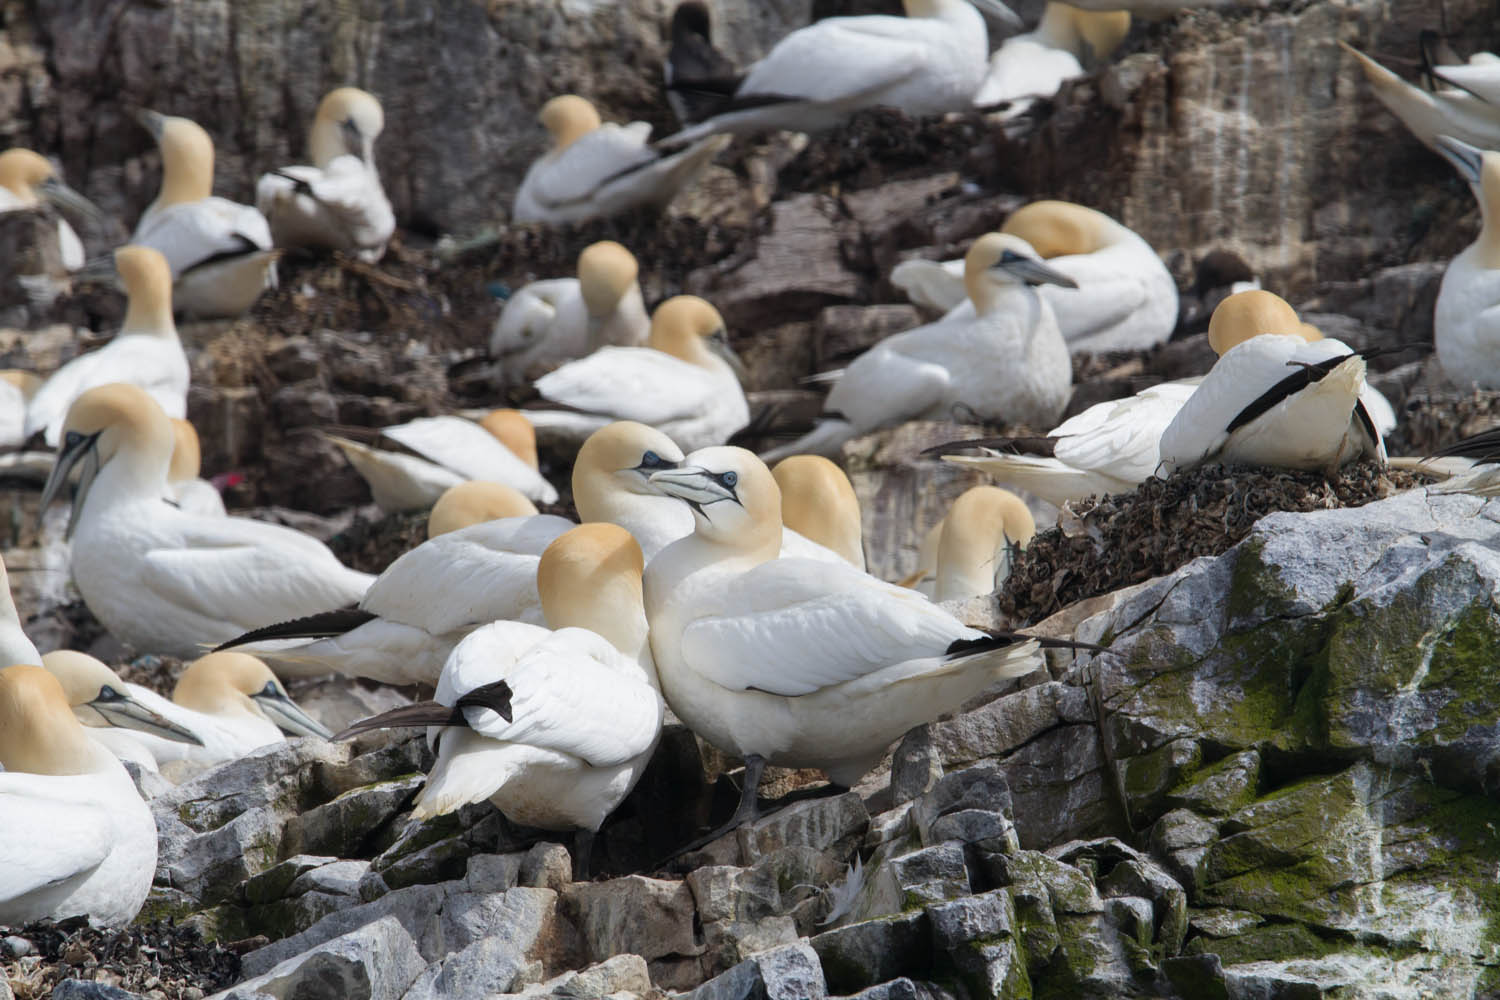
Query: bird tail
x=494, y=696
x=470, y=768
x=825, y=439
x=318, y=626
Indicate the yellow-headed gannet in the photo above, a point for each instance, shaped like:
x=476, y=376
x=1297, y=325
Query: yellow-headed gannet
x=15, y=646
x=446, y=451
x=583, y=710
x=475, y=502
x=1125, y=297
x=1006, y=363
x=929, y=62
x=792, y=661
x=191, y=494
x=596, y=170
x=27, y=180
x=16, y=389
x=219, y=251
x=161, y=579
x=564, y=318
x=77, y=839
x=110, y=711
x=983, y=529
x=685, y=382
x=818, y=504
x=145, y=353
x=1065, y=44
x=1466, y=320
x=337, y=203
x=1456, y=113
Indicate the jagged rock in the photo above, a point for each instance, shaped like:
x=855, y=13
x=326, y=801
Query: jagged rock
x=896, y=884
x=972, y=807
x=621, y=976
x=1222, y=787
x=343, y=825
x=1391, y=308
x=901, y=989
x=378, y=961
x=439, y=849
x=1005, y=724
x=868, y=953
x=487, y=966
x=642, y=916
x=790, y=972
x=1180, y=840
x=208, y=867
x=976, y=938
x=276, y=881
x=842, y=332
x=340, y=878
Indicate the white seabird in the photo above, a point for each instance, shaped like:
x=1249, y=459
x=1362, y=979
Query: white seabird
x=984, y=529
x=818, y=505
x=574, y=713
x=445, y=451
x=1034, y=65
x=146, y=352
x=474, y=502
x=1007, y=363
x=27, y=180
x=16, y=389
x=111, y=713
x=684, y=382
x=77, y=839
x=1124, y=299
x=337, y=203
x=161, y=579
x=192, y=494
x=596, y=170
x=1480, y=76
x=1455, y=113
x=15, y=645
x=1466, y=319
x=564, y=318
x=220, y=252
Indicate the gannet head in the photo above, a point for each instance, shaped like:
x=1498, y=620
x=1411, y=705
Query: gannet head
x=27, y=382
x=475, y=502
x=38, y=733
x=512, y=429
x=108, y=422
x=1058, y=228
x=999, y=259
x=689, y=328
x=606, y=271
x=148, y=287
x=346, y=124
x=936, y=8
x=1089, y=35
x=229, y=682
x=187, y=158
x=734, y=497
x=981, y=528
x=187, y=453
x=100, y=698
x=1310, y=333
x=1481, y=169
x=818, y=501
x=590, y=577
x=31, y=179
x=620, y=457
x=1248, y=314
x=568, y=118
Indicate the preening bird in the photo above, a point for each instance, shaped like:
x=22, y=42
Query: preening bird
x=1466, y=319
x=27, y=181
x=474, y=502
x=1066, y=43
x=984, y=529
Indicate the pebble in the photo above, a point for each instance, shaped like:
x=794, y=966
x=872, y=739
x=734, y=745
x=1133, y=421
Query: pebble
x=15, y=947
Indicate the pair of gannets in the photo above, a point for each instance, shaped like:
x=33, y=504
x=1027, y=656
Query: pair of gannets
x=564, y=318
x=76, y=837
x=159, y=578
x=1037, y=63
x=684, y=382
x=572, y=715
x=969, y=552
x=1464, y=114
x=597, y=170
x=145, y=352
x=931, y=61
x=1124, y=297
x=219, y=251
x=1006, y=363
x=448, y=450
x=27, y=181
x=1466, y=319
x=337, y=203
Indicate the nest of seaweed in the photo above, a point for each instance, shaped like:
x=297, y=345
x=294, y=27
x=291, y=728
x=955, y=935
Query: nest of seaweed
x=147, y=957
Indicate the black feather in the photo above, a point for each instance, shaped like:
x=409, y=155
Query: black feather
x=1041, y=445
x=995, y=639
x=319, y=626
x=495, y=697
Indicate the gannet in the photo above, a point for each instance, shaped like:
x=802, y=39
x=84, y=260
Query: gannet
x=584, y=709
x=445, y=451
x=597, y=170
x=146, y=351
x=1064, y=44
x=15, y=646
x=1480, y=76
x=337, y=203
x=77, y=839
x=929, y=62
x=192, y=494
x=685, y=382
x=219, y=251
x=818, y=504
x=1426, y=115
x=425, y=602
x=792, y=661
x=16, y=389
x=1125, y=298
x=565, y=318
x=475, y=502
x=161, y=579
x=110, y=711
x=27, y=180
x=1466, y=320
x=984, y=528
x=697, y=75
x=1008, y=363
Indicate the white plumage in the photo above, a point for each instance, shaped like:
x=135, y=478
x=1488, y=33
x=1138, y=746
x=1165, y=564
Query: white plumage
x=1037, y=63
x=15, y=645
x=1427, y=115
x=1466, y=319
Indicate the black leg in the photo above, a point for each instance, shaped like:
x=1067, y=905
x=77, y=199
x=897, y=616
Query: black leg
x=583, y=852
x=748, y=811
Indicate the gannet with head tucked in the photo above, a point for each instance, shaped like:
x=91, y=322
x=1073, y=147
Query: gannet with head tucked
x=161, y=579
x=1466, y=319
x=791, y=661
x=76, y=839
x=1065, y=43
x=818, y=505
x=596, y=170
x=445, y=451
x=564, y=318
x=1455, y=113
x=929, y=62
x=145, y=353
x=474, y=502
x=28, y=181
x=983, y=529
x=219, y=251
x=685, y=381
x=1125, y=298
x=1007, y=363
x=337, y=203
x=192, y=494
x=431, y=597
x=584, y=712
x=110, y=711
x=15, y=645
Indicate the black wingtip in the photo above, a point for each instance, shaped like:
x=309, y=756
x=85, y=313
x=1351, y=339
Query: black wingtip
x=997, y=639
x=1041, y=445
x=319, y=626
x=494, y=696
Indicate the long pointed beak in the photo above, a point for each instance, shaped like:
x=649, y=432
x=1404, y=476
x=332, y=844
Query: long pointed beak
x=74, y=450
x=151, y=121
x=1466, y=159
x=691, y=484
x=288, y=717
x=719, y=344
x=999, y=12
x=125, y=712
x=1034, y=272
x=63, y=196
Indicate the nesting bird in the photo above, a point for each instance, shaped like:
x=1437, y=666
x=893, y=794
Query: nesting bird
x=978, y=540
x=818, y=504
x=192, y=494
x=474, y=502
x=337, y=203
x=220, y=252
x=1457, y=113
x=597, y=170
x=27, y=180
x=1466, y=319
x=1065, y=43
x=111, y=712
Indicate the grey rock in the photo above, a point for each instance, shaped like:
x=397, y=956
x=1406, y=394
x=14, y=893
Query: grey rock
x=1060, y=787
x=488, y=965
x=1222, y=787
x=969, y=806
x=729, y=942
x=1393, y=306
x=930, y=875
x=494, y=872
x=342, y=826
x=868, y=953
x=835, y=825
x=278, y=777
x=148, y=783
x=13, y=946
x=546, y=866
x=341, y=878
x=378, y=961
x=618, y=977
x=210, y=866
x=915, y=765
x=790, y=972
x=276, y=882
x=1120, y=871
x=1180, y=841
x=84, y=989
x=1007, y=723
x=976, y=937
x=637, y=915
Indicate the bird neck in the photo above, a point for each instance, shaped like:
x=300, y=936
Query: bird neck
x=1056, y=27
x=185, y=179
x=599, y=498
x=991, y=296
x=150, y=315
x=1489, y=235
x=615, y=612
x=129, y=476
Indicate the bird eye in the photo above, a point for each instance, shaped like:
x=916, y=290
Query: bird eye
x=1010, y=257
x=107, y=693
x=651, y=458
x=270, y=690
x=729, y=479
x=72, y=438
